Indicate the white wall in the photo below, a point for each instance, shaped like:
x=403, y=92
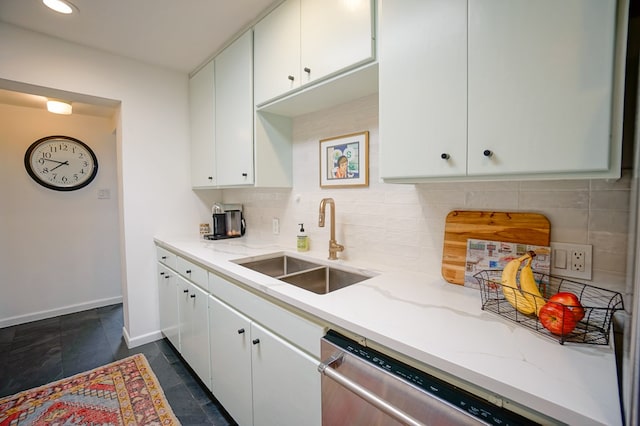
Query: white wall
x=152, y=151
x=60, y=250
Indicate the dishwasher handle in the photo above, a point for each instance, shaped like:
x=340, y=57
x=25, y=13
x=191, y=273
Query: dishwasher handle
x=337, y=358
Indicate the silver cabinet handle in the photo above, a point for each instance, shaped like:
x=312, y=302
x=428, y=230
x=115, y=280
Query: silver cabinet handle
x=396, y=413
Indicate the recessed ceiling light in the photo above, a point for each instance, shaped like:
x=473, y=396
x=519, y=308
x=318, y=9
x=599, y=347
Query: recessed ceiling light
x=57, y=106
x=61, y=6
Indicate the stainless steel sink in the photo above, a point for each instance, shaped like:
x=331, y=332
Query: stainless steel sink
x=310, y=276
x=278, y=266
x=324, y=280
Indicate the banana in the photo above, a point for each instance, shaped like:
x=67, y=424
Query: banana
x=510, y=287
x=529, y=287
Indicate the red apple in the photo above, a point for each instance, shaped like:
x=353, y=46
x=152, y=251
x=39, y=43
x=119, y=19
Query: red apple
x=571, y=301
x=557, y=318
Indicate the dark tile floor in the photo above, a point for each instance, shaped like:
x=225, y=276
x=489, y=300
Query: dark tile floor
x=40, y=352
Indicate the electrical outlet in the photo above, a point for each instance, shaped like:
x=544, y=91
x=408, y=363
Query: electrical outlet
x=577, y=260
x=571, y=260
x=276, y=226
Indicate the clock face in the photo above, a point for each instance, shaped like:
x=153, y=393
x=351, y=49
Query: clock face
x=62, y=163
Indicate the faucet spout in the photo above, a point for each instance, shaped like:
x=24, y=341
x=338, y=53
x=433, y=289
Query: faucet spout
x=334, y=247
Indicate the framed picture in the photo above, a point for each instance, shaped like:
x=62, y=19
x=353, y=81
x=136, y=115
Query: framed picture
x=344, y=161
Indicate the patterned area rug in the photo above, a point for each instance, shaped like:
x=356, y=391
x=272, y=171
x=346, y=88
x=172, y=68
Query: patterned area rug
x=125, y=392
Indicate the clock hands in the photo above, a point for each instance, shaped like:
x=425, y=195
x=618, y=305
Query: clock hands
x=60, y=163
x=65, y=163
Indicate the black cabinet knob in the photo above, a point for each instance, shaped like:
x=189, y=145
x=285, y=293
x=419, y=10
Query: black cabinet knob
x=167, y=277
x=241, y=331
x=188, y=271
x=487, y=153
x=164, y=257
x=193, y=296
x=161, y=273
x=245, y=175
x=185, y=291
x=255, y=341
x=291, y=78
x=445, y=156
x=307, y=70
x=210, y=178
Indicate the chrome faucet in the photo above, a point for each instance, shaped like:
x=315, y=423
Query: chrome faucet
x=334, y=247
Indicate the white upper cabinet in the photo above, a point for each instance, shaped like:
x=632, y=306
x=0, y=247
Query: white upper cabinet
x=303, y=41
x=202, y=126
x=277, y=52
x=540, y=85
x=423, y=88
x=498, y=89
x=234, y=112
x=334, y=35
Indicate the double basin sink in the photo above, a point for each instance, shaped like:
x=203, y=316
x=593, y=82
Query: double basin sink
x=302, y=273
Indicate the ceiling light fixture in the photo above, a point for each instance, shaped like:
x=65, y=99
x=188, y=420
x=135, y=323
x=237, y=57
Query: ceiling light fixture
x=57, y=106
x=61, y=6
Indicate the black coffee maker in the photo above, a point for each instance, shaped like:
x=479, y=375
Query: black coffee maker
x=219, y=225
x=228, y=222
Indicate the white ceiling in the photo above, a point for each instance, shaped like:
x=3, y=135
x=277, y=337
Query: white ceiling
x=175, y=34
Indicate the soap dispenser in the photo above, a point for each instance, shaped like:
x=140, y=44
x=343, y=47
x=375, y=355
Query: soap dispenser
x=303, y=239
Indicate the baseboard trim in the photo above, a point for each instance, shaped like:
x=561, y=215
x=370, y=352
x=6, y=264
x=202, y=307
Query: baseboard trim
x=50, y=313
x=133, y=342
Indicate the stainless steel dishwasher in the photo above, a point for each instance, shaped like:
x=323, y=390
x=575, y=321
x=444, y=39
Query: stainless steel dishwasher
x=361, y=386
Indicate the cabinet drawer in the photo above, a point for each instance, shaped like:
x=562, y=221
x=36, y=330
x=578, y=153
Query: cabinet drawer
x=166, y=257
x=297, y=330
x=192, y=272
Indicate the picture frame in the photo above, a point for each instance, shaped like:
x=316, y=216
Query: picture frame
x=344, y=161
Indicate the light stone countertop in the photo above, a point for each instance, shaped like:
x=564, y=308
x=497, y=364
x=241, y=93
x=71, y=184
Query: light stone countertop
x=441, y=325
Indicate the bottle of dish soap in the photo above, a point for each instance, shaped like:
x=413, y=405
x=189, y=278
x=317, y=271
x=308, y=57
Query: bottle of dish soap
x=303, y=239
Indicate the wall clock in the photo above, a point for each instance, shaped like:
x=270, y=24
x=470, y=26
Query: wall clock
x=61, y=163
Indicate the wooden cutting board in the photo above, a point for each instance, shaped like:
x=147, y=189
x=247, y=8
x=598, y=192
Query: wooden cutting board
x=528, y=228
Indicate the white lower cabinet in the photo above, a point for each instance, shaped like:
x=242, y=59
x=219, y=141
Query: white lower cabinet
x=194, y=330
x=168, y=304
x=230, y=340
x=259, y=359
x=286, y=382
x=259, y=378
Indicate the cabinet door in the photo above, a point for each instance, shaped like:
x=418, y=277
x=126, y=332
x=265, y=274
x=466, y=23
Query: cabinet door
x=540, y=85
x=423, y=91
x=286, y=382
x=334, y=35
x=168, y=305
x=202, y=125
x=230, y=342
x=277, y=52
x=194, y=328
x=234, y=112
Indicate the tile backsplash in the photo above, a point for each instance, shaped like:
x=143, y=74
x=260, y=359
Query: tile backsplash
x=402, y=225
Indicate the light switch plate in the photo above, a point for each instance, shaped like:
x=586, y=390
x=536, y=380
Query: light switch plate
x=572, y=260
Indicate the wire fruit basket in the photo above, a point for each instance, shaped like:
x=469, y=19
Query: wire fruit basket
x=599, y=306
